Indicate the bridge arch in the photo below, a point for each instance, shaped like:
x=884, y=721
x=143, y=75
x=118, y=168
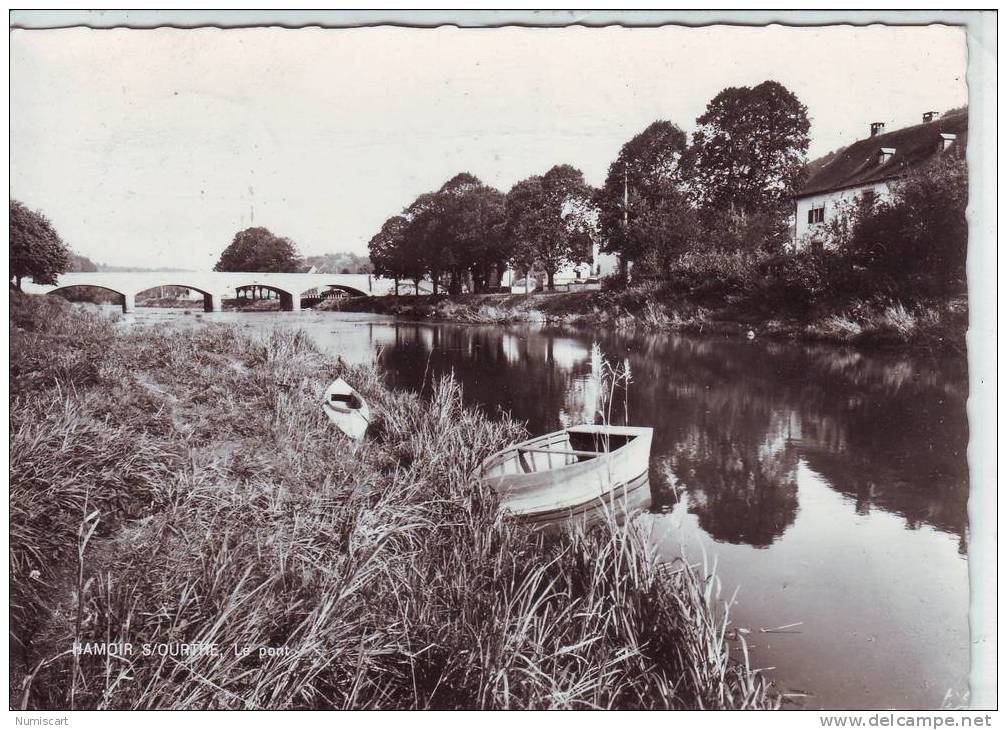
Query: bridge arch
x=324, y=291
x=211, y=302
x=125, y=299
x=289, y=301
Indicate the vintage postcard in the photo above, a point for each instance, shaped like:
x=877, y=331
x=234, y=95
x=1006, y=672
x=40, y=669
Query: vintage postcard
x=544, y=361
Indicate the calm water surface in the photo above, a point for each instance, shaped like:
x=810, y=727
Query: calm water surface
x=829, y=485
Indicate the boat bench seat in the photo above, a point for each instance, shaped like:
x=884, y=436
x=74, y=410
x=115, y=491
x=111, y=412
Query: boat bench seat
x=568, y=452
x=529, y=468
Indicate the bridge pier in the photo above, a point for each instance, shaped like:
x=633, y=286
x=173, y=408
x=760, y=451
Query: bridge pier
x=290, y=302
x=128, y=303
x=212, y=303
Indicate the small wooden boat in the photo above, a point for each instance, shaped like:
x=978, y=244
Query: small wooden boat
x=345, y=408
x=569, y=471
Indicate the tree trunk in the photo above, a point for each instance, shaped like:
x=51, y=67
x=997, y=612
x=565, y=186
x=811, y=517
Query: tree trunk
x=17, y=281
x=625, y=269
x=396, y=286
x=550, y=275
x=479, y=280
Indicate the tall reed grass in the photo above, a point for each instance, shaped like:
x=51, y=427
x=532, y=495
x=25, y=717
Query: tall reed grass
x=230, y=512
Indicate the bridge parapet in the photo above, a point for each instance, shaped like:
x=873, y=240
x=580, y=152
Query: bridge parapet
x=215, y=285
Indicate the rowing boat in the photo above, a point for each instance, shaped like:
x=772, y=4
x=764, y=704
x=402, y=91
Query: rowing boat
x=569, y=471
x=347, y=409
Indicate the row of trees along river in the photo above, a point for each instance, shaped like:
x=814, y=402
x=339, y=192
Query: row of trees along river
x=715, y=210
x=661, y=195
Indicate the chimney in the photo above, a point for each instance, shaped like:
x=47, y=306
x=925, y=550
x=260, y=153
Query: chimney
x=885, y=154
x=877, y=128
x=929, y=116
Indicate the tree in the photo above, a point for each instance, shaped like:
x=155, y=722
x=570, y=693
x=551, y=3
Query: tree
x=663, y=225
x=258, y=249
x=916, y=243
x=424, y=240
x=82, y=263
x=551, y=220
x=750, y=150
x=657, y=221
x=342, y=262
x=389, y=254
x=36, y=249
x=456, y=231
x=477, y=232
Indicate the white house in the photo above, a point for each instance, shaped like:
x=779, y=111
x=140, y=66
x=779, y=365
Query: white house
x=603, y=265
x=868, y=167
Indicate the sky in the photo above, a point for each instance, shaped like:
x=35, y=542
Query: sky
x=152, y=148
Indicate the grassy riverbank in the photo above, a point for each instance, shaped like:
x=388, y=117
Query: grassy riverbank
x=182, y=485
x=883, y=322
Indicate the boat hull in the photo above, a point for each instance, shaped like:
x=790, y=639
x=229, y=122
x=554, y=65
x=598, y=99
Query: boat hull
x=569, y=471
x=347, y=409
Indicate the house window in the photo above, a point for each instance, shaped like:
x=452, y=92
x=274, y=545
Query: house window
x=816, y=215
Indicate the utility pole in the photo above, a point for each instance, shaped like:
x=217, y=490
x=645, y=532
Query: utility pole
x=625, y=197
x=625, y=216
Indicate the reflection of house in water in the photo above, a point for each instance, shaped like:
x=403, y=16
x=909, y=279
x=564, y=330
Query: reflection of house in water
x=784, y=429
x=510, y=345
x=584, y=396
x=566, y=353
x=382, y=335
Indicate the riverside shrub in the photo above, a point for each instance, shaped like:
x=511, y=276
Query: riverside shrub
x=915, y=244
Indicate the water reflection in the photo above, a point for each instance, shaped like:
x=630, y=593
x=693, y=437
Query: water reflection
x=731, y=419
x=831, y=485
x=743, y=490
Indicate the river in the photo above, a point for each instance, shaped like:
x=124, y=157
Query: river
x=828, y=485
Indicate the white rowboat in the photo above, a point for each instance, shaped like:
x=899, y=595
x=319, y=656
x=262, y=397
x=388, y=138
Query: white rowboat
x=347, y=409
x=569, y=471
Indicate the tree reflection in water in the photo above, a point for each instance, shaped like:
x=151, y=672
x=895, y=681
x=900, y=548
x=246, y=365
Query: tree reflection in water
x=733, y=419
x=742, y=491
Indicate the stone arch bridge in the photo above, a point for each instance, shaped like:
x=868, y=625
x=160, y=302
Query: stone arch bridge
x=215, y=285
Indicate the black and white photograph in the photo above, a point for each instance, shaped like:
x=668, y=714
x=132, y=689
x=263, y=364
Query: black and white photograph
x=498, y=360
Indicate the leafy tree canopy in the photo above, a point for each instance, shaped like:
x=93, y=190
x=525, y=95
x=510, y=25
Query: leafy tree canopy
x=917, y=242
x=258, y=249
x=389, y=253
x=658, y=215
x=456, y=230
x=339, y=263
x=552, y=220
x=36, y=249
x=750, y=150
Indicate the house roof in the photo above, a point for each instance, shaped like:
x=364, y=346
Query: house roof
x=859, y=164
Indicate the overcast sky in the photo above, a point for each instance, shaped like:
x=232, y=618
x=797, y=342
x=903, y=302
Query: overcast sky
x=153, y=147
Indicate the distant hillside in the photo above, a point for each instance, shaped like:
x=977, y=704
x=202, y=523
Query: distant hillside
x=340, y=263
x=330, y=263
x=81, y=263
